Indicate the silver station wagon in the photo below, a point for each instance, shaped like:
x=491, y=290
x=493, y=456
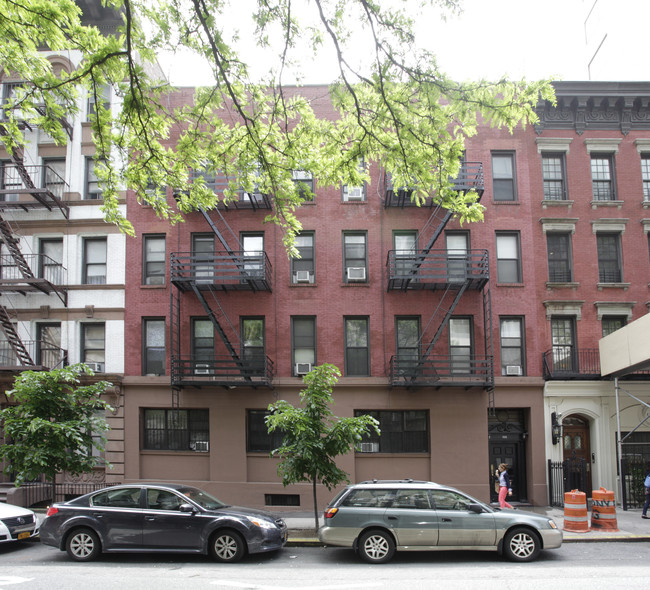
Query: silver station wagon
x=377, y=518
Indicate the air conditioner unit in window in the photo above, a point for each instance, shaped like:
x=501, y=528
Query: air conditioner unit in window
x=354, y=193
x=513, y=370
x=97, y=367
x=200, y=369
x=302, y=368
x=356, y=273
x=369, y=447
x=303, y=276
x=201, y=446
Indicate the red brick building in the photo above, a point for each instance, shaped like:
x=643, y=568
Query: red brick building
x=462, y=341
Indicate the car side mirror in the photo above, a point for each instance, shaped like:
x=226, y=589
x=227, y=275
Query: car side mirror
x=187, y=508
x=474, y=507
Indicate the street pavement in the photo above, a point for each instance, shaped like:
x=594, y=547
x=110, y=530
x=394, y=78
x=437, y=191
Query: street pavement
x=630, y=526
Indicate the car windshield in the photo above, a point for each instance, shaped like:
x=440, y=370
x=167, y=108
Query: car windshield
x=203, y=499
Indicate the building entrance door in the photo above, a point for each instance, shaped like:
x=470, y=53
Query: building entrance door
x=507, y=436
x=576, y=443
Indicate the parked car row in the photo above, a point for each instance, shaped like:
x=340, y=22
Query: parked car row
x=374, y=518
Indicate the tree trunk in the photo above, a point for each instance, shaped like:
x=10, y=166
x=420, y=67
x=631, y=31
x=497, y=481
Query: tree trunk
x=315, y=505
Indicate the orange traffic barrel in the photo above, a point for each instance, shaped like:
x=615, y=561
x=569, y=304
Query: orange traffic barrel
x=603, y=510
x=575, y=512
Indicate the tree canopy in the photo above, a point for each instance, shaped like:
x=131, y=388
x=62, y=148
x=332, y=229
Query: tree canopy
x=312, y=436
x=54, y=425
x=396, y=109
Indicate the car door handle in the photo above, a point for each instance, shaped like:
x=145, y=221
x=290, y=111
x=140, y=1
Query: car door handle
x=150, y=518
x=446, y=520
x=392, y=518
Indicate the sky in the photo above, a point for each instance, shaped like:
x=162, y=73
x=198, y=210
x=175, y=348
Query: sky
x=492, y=39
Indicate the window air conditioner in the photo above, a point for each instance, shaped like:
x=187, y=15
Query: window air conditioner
x=513, y=370
x=369, y=447
x=200, y=369
x=354, y=193
x=302, y=368
x=356, y=273
x=302, y=276
x=97, y=367
x=201, y=446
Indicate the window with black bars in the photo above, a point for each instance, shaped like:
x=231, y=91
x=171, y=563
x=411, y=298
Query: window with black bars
x=405, y=431
x=609, y=258
x=558, y=247
x=175, y=430
x=602, y=177
x=258, y=437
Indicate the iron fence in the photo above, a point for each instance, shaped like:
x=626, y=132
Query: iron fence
x=42, y=493
x=564, y=476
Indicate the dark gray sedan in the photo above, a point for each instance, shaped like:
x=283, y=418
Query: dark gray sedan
x=158, y=518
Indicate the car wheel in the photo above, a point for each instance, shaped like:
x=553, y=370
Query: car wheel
x=83, y=545
x=227, y=546
x=376, y=547
x=522, y=545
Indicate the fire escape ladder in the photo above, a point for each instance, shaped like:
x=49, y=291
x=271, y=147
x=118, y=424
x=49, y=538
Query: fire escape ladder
x=215, y=319
x=175, y=343
x=489, y=347
x=448, y=313
x=11, y=242
x=14, y=340
x=224, y=225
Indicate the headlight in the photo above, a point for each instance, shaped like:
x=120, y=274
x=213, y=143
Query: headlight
x=552, y=524
x=260, y=522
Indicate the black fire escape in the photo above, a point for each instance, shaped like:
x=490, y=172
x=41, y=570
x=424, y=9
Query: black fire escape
x=451, y=275
x=27, y=188
x=204, y=277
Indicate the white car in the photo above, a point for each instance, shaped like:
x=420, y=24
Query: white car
x=17, y=523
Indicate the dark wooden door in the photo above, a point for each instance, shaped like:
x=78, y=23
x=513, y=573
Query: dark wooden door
x=576, y=445
x=510, y=452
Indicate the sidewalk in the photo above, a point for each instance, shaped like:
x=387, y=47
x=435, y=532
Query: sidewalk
x=631, y=527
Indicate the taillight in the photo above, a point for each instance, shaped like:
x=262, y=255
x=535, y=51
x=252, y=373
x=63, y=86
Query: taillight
x=51, y=511
x=330, y=512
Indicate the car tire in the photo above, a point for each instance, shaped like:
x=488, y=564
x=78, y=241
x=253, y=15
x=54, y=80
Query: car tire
x=376, y=546
x=521, y=544
x=227, y=546
x=83, y=545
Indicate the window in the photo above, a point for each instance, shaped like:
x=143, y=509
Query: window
x=563, y=343
x=254, y=259
x=512, y=346
x=209, y=179
x=258, y=438
x=457, y=256
x=404, y=244
x=407, y=344
x=203, y=258
x=9, y=180
x=609, y=258
x=93, y=184
x=508, y=262
x=153, y=267
x=303, y=344
x=645, y=176
x=504, y=186
x=401, y=432
x=202, y=332
x=303, y=269
x=176, y=430
x=602, y=177
x=252, y=342
x=54, y=176
x=305, y=182
x=94, y=265
x=613, y=323
x=553, y=174
x=560, y=268
x=100, y=94
x=50, y=260
x=460, y=345
x=355, y=193
x=153, y=344
x=355, y=257
x=48, y=340
x=357, y=347
x=93, y=346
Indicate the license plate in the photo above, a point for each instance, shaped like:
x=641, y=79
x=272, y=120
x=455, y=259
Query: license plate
x=24, y=535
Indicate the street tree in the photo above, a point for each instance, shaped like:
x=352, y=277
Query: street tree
x=313, y=437
x=53, y=424
x=395, y=108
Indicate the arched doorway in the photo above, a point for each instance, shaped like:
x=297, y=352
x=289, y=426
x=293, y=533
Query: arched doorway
x=576, y=443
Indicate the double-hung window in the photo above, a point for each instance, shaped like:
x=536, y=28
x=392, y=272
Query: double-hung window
x=602, y=177
x=355, y=192
x=99, y=94
x=93, y=184
x=554, y=176
x=93, y=345
x=94, y=261
x=612, y=323
x=512, y=346
x=558, y=247
x=252, y=344
x=9, y=180
x=609, y=258
x=258, y=437
x=355, y=257
x=303, y=344
x=563, y=343
x=303, y=269
x=50, y=266
x=407, y=345
x=153, y=267
x=304, y=182
x=54, y=176
x=153, y=346
x=460, y=345
x=357, y=346
x=504, y=182
x=645, y=176
x=508, y=257
x=203, y=346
